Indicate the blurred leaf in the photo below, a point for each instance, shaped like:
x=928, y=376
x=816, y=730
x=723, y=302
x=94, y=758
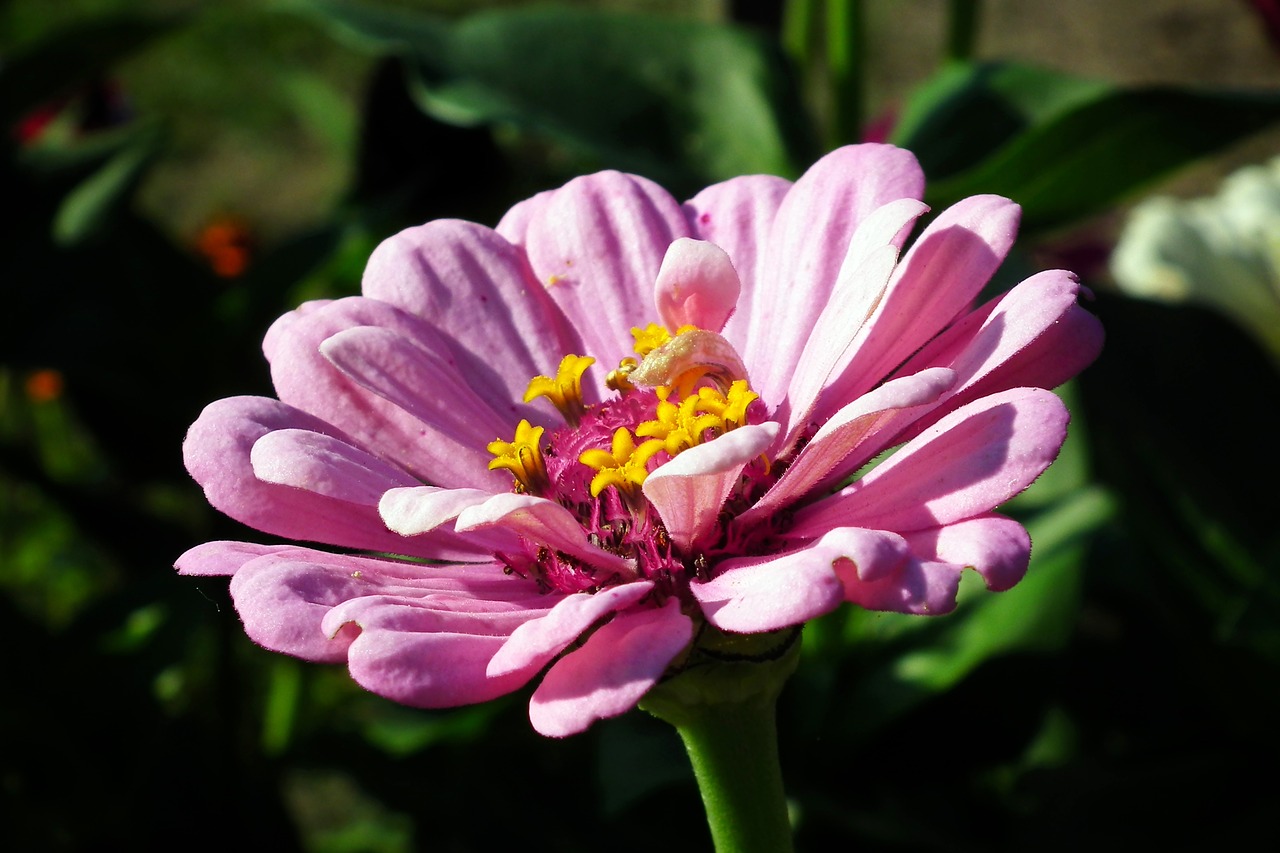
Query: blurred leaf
x=1179, y=402
x=681, y=101
x=1063, y=147
x=54, y=67
x=967, y=111
x=87, y=208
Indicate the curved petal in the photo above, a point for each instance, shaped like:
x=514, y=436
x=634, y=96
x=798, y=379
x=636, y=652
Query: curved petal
x=737, y=215
x=1036, y=335
x=283, y=597
x=849, y=439
x=689, y=491
x=325, y=465
x=806, y=247
x=455, y=425
x=539, y=640
x=596, y=245
x=861, y=284
x=998, y=548
x=218, y=451
x=429, y=670
x=917, y=587
x=475, y=287
x=969, y=462
x=939, y=277
x=421, y=509
x=766, y=594
x=308, y=380
x=612, y=672
x=223, y=558
x=697, y=286
x=545, y=523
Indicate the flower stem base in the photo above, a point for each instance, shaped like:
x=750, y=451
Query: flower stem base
x=724, y=709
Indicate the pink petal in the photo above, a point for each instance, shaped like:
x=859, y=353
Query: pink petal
x=596, y=245
x=918, y=587
x=969, y=462
x=737, y=215
x=282, y=599
x=472, y=284
x=765, y=594
x=938, y=278
x=218, y=451
x=308, y=380
x=421, y=509
x=537, y=641
x=325, y=465
x=222, y=558
x=696, y=286
x=429, y=670
x=545, y=523
x=1033, y=336
x=997, y=547
x=612, y=672
x=455, y=424
x=689, y=491
x=849, y=439
x=863, y=278
x=806, y=247
x=430, y=614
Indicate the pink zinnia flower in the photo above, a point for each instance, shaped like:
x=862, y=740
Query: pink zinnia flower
x=753, y=349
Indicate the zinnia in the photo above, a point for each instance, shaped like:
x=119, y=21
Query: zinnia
x=515, y=506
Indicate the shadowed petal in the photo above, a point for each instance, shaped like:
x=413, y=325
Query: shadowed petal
x=969, y=462
x=940, y=276
x=997, y=547
x=610, y=674
x=766, y=594
x=308, y=380
x=849, y=439
x=689, y=491
x=474, y=286
x=807, y=246
x=1033, y=336
x=539, y=640
x=324, y=465
x=545, y=523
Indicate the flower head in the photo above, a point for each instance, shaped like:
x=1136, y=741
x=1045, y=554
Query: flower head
x=616, y=420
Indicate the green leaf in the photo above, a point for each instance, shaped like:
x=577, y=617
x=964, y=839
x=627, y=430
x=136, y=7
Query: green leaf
x=966, y=111
x=681, y=101
x=1063, y=147
x=87, y=208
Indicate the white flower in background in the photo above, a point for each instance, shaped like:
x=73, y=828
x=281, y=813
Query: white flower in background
x=1222, y=251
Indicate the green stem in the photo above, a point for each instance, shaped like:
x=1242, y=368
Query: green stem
x=734, y=751
x=962, y=29
x=845, y=37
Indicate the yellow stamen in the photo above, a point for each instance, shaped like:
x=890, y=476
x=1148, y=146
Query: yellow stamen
x=522, y=457
x=617, y=379
x=653, y=336
x=565, y=391
x=689, y=358
x=623, y=466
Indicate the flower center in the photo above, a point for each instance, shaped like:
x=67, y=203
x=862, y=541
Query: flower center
x=681, y=391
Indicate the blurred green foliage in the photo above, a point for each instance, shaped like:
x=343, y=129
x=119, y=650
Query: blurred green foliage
x=1089, y=705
